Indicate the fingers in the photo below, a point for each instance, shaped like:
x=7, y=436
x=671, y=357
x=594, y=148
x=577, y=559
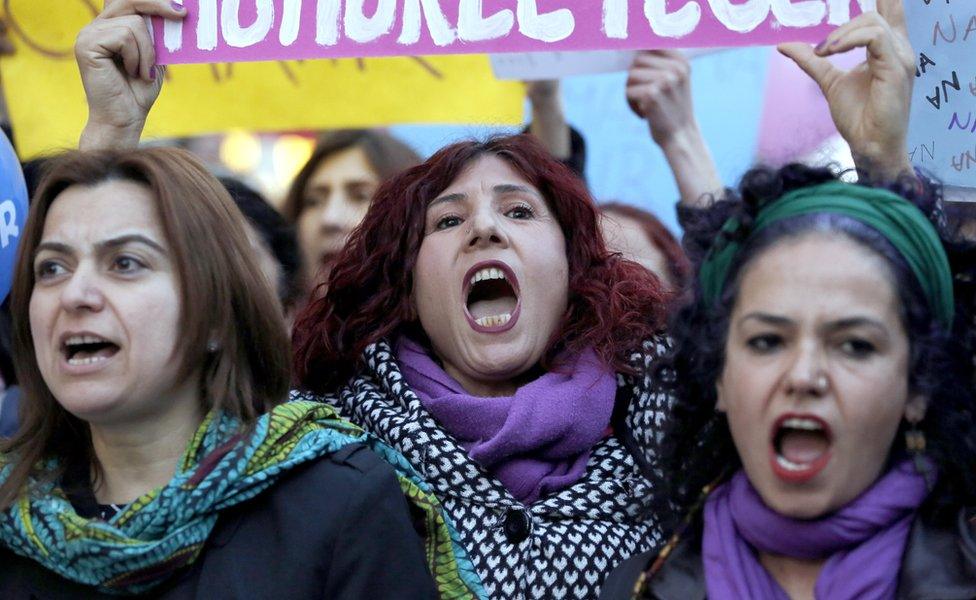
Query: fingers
x=158, y=8
x=893, y=12
x=818, y=68
x=126, y=38
x=895, y=47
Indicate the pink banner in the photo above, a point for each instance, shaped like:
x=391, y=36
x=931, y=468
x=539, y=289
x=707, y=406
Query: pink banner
x=251, y=30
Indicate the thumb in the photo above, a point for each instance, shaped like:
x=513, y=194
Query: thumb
x=818, y=68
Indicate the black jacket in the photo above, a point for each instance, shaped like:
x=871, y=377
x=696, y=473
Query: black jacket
x=337, y=528
x=939, y=564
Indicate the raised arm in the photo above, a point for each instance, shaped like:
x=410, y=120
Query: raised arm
x=549, y=117
x=117, y=63
x=870, y=104
x=659, y=91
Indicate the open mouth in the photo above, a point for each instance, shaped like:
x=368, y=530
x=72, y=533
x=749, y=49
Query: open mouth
x=491, y=297
x=800, y=447
x=87, y=349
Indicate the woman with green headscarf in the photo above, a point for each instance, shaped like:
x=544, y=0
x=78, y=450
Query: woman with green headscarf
x=821, y=445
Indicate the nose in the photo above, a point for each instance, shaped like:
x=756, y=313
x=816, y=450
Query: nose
x=485, y=230
x=82, y=292
x=807, y=375
x=338, y=215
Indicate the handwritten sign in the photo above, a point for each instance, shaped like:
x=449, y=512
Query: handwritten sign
x=249, y=30
x=942, y=132
x=48, y=110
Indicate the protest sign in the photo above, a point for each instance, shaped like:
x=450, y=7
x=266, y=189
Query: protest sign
x=13, y=212
x=537, y=66
x=48, y=111
x=942, y=135
x=247, y=30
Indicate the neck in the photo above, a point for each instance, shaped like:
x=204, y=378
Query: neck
x=797, y=577
x=136, y=457
x=485, y=388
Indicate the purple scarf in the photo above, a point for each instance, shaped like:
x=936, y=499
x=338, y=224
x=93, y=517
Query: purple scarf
x=863, y=542
x=535, y=442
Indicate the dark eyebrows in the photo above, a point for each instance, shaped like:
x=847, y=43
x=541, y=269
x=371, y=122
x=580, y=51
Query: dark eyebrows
x=511, y=188
x=115, y=242
x=832, y=326
x=852, y=322
x=768, y=319
x=53, y=247
x=133, y=238
x=499, y=190
x=447, y=198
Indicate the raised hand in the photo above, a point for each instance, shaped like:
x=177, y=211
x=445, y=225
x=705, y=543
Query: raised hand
x=117, y=63
x=659, y=91
x=870, y=104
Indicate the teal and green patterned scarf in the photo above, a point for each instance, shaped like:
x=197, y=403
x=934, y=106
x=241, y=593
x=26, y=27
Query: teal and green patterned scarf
x=166, y=529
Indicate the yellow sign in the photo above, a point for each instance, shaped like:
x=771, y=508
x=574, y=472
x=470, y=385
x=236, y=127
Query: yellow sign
x=47, y=102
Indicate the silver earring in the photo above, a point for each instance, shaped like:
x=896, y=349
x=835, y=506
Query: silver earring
x=212, y=346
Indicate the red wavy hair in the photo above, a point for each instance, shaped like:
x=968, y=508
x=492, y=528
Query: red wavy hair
x=614, y=304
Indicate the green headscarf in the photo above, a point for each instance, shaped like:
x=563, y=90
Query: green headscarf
x=897, y=219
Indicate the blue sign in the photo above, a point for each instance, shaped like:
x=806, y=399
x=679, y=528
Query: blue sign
x=13, y=212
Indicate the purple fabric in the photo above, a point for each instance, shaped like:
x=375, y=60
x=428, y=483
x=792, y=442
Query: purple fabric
x=535, y=442
x=863, y=542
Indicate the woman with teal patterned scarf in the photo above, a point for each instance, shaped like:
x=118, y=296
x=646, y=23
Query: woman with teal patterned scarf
x=154, y=456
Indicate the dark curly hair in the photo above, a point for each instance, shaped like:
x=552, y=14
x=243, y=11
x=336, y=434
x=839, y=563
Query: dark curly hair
x=697, y=448
x=614, y=304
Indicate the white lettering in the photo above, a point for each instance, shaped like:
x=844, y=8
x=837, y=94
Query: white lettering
x=801, y=14
x=741, y=18
x=207, y=25
x=291, y=19
x=327, y=23
x=364, y=29
x=474, y=27
x=440, y=30
x=8, y=222
x=173, y=33
x=615, y=19
x=241, y=37
x=549, y=27
x=674, y=25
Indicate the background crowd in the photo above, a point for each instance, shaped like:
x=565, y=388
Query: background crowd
x=463, y=377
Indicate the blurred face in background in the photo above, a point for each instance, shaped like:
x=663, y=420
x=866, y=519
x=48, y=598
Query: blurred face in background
x=627, y=236
x=336, y=200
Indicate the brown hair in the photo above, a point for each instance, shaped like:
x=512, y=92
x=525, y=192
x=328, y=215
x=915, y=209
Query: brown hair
x=386, y=154
x=232, y=304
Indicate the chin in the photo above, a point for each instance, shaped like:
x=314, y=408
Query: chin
x=798, y=502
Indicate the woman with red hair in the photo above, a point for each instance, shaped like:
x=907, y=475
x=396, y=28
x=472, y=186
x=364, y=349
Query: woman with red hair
x=477, y=323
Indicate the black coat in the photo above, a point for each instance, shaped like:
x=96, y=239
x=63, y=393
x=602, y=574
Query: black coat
x=939, y=564
x=337, y=528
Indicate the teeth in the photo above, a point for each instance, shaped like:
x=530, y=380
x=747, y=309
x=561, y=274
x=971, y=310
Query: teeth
x=789, y=466
x=804, y=424
x=83, y=339
x=86, y=361
x=487, y=273
x=494, y=321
